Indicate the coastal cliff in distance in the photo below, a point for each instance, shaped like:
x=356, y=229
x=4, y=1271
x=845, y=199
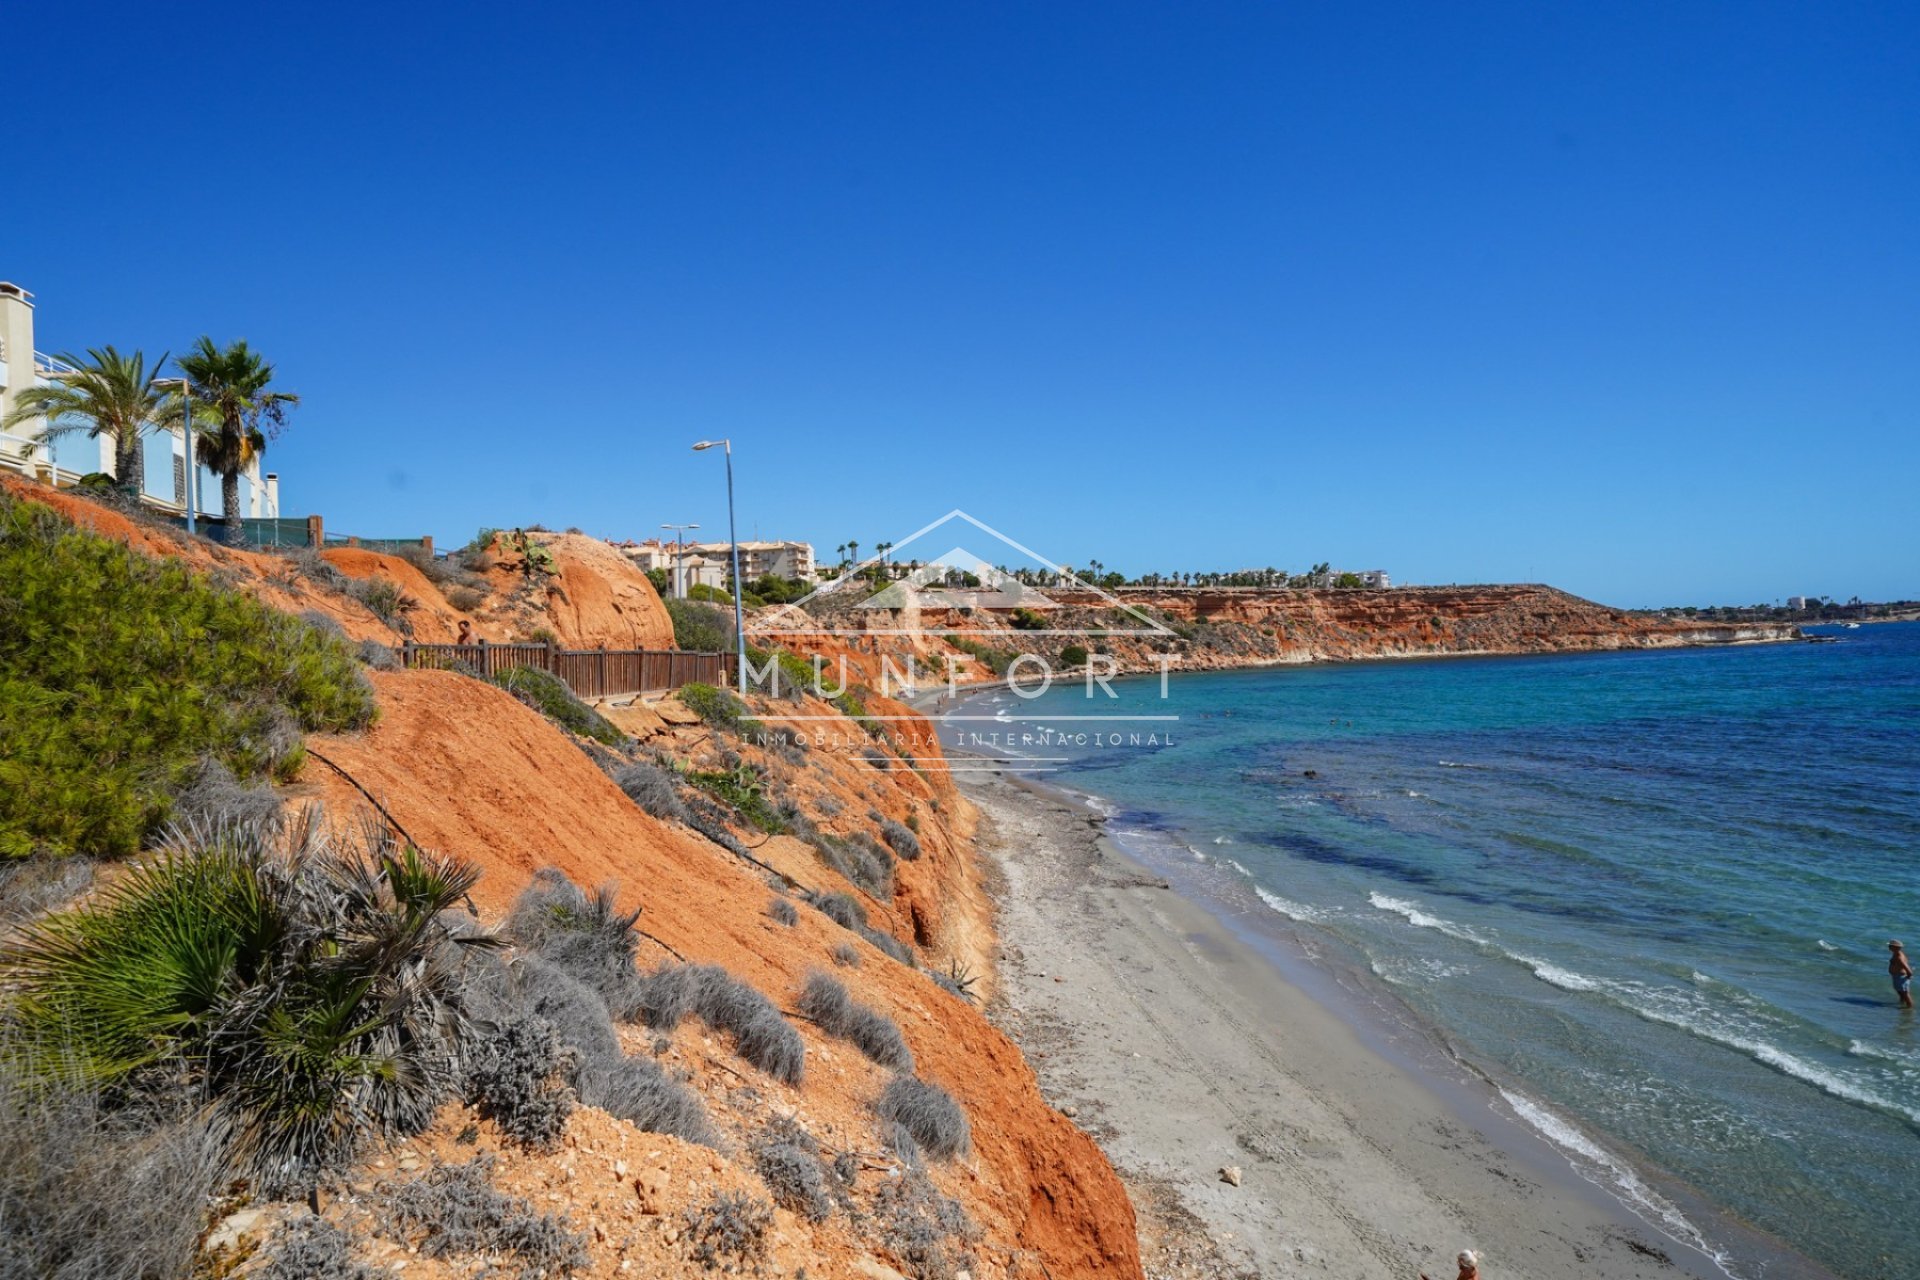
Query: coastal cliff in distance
x=1233, y=626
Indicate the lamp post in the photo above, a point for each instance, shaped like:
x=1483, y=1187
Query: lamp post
x=186, y=431
x=680, y=560
x=733, y=540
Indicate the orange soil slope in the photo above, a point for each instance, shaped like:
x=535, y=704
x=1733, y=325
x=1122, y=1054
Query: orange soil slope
x=594, y=597
x=268, y=578
x=466, y=769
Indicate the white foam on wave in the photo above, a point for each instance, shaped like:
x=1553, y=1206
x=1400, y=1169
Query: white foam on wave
x=1223, y=839
x=1554, y=975
x=1290, y=909
x=1423, y=919
x=1824, y=945
x=1675, y=1009
x=1237, y=867
x=1670, y=1007
x=1593, y=1163
x=1867, y=1049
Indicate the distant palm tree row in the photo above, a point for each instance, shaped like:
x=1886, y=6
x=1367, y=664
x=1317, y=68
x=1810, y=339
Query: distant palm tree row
x=228, y=399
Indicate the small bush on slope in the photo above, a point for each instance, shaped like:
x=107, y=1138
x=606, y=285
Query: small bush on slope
x=788, y=1159
x=89, y=1191
x=925, y=1231
x=844, y=911
x=729, y=1231
x=313, y=993
x=580, y=976
x=456, y=1210
x=549, y=695
x=723, y=1002
x=783, y=911
x=652, y=788
x=119, y=674
x=588, y=935
x=928, y=1113
x=904, y=842
x=314, y=1249
x=518, y=1081
x=825, y=1000
x=718, y=708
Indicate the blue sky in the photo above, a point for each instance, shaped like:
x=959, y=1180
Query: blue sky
x=1621, y=297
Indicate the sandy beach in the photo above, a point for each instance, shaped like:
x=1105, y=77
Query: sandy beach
x=1184, y=1051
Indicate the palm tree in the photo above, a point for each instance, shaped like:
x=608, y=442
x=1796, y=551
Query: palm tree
x=108, y=394
x=235, y=415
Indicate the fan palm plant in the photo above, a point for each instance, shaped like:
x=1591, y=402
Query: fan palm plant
x=314, y=993
x=108, y=395
x=236, y=413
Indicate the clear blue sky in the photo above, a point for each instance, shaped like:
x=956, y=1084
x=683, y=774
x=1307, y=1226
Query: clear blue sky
x=1622, y=297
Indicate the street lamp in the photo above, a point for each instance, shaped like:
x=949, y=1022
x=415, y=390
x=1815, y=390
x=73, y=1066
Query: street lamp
x=739, y=611
x=680, y=560
x=186, y=430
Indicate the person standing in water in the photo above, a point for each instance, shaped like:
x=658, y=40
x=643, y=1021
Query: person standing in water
x=1900, y=969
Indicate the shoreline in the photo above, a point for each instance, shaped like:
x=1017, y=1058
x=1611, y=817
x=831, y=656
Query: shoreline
x=1186, y=1042
x=929, y=701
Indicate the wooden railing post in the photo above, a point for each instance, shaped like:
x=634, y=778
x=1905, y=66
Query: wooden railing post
x=486, y=671
x=316, y=532
x=406, y=655
x=552, y=655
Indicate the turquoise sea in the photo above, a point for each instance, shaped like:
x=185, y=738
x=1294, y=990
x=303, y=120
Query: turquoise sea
x=1647, y=894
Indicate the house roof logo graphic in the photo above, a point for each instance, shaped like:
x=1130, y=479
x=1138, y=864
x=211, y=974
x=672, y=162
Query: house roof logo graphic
x=958, y=579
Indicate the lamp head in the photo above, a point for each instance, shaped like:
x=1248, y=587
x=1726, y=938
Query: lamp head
x=705, y=444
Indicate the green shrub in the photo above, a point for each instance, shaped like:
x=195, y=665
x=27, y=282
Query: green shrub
x=792, y=677
x=718, y=708
x=548, y=694
x=995, y=660
x=119, y=674
x=743, y=790
x=313, y=994
x=700, y=628
x=1073, y=655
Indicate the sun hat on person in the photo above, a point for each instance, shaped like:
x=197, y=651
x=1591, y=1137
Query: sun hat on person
x=1469, y=1260
x=1894, y=945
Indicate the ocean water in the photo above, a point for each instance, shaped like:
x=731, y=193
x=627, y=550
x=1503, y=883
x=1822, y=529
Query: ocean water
x=1649, y=894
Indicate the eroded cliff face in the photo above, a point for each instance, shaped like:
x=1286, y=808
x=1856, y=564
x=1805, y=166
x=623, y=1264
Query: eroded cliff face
x=1205, y=628
x=463, y=768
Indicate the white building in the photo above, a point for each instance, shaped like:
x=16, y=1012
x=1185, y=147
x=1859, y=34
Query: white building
x=63, y=460
x=1800, y=602
x=758, y=559
x=1376, y=578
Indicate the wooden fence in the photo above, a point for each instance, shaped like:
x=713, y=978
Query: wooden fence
x=590, y=673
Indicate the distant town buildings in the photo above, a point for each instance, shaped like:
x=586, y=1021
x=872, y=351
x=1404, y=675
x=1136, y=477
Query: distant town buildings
x=63, y=460
x=1801, y=602
x=710, y=562
x=1375, y=578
